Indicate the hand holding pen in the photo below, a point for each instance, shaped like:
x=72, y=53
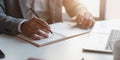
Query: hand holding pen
x=36, y=28
x=38, y=17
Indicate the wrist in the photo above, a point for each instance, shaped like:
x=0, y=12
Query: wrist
x=20, y=26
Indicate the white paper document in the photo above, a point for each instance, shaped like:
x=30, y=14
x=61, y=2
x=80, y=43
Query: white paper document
x=66, y=29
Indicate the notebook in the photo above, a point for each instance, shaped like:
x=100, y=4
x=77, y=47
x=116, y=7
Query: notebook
x=61, y=31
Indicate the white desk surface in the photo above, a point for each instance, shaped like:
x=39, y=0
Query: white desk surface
x=70, y=49
x=16, y=49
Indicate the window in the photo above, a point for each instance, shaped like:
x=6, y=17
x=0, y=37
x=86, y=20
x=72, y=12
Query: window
x=96, y=7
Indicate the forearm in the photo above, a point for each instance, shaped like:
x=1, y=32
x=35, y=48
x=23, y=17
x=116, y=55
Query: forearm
x=8, y=24
x=73, y=7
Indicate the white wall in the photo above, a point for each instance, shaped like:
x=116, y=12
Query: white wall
x=112, y=9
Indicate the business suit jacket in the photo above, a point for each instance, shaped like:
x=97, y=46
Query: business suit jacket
x=12, y=12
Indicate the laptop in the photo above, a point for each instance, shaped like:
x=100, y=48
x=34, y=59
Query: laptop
x=103, y=36
x=114, y=36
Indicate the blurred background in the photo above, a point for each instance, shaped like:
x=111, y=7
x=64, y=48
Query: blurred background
x=101, y=9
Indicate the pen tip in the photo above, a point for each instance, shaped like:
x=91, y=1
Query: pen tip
x=51, y=32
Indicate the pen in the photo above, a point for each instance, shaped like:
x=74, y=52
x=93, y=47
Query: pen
x=34, y=13
x=51, y=32
x=97, y=51
x=38, y=17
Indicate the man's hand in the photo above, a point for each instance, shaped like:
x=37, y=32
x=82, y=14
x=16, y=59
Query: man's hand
x=35, y=28
x=84, y=20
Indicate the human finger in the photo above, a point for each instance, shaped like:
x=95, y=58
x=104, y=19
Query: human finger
x=88, y=22
x=92, y=24
x=36, y=26
x=35, y=36
x=46, y=31
x=42, y=33
x=83, y=25
x=42, y=23
x=79, y=20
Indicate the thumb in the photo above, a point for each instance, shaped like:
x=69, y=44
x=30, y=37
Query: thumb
x=73, y=19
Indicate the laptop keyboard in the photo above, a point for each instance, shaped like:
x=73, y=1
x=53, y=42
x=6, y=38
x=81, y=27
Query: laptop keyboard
x=114, y=36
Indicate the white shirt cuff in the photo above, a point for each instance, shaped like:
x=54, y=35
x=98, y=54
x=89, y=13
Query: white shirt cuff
x=19, y=26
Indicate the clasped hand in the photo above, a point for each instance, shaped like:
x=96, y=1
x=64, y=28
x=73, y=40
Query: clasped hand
x=84, y=20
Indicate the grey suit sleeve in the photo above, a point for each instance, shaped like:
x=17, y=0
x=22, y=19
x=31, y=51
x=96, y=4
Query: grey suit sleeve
x=8, y=24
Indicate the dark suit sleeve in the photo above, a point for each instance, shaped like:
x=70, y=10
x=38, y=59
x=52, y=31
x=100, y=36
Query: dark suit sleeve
x=8, y=24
